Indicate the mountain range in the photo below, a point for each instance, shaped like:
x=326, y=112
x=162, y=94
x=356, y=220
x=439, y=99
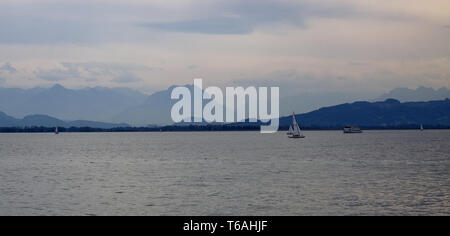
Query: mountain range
x=420, y=94
x=389, y=113
x=128, y=106
x=156, y=109
x=48, y=121
x=69, y=104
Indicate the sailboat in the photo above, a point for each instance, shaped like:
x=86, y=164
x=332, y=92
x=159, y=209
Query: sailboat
x=421, y=127
x=291, y=130
x=352, y=130
x=56, y=130
x=296, y=133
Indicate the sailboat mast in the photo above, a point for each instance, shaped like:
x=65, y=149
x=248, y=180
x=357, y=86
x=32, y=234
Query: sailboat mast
x=294, y=120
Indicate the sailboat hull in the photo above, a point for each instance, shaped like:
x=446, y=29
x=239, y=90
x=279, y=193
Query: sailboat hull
x=301, y=136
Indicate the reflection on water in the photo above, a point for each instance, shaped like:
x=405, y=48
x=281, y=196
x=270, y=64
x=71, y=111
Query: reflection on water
x=229, y=173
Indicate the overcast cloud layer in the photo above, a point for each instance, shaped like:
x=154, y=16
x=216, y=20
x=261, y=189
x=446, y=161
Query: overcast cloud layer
x=303, y=45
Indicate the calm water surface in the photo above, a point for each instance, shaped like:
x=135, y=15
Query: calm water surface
x=229, y=173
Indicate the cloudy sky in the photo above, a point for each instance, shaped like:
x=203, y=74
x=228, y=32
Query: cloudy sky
x=368, y=46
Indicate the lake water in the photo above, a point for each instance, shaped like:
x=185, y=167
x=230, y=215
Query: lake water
x=226, y=173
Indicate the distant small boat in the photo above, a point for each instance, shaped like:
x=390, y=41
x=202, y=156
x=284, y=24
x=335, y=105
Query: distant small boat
x=296, y=132
x=291, y=130
x=56, y=130
x=352, y=130
x=421, y=128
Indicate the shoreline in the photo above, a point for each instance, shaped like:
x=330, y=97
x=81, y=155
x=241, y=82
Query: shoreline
x=174, y=129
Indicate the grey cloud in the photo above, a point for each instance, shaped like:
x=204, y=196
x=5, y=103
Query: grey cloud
x=243, y=17
x=357, y=63
x=108, y=69
x=33, y=30
x=58, y=74
x=126, y=78
x=8, y=68
x=236, y=17
x=192, y=67
x=211, y=26
x=292, y=82
x=88, y=22
x=90, y=80
x=92, y=71
x=82, y=22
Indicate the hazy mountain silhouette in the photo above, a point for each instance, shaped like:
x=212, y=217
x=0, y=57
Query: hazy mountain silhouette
x=41, y=120
x=123, y=105
x=87, y=104
x=48, y=121
x=308, y=102
x=155, y=110
x=420, y=94
x=387, y=113
x=7, y=121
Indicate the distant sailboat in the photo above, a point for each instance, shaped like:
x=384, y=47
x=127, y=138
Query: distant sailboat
x=56, y=130
x=296, y=133
x=421, y=127
x=291, y=130
x=352, y=130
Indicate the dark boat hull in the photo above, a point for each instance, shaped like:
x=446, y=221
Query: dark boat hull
x=297, y=137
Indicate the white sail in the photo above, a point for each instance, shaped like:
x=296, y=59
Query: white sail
x=291, y=130
x=297, y=133
x=297, y=130
x=296, y=127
